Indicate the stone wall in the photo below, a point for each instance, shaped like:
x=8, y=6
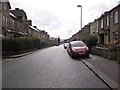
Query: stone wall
x=104, y=52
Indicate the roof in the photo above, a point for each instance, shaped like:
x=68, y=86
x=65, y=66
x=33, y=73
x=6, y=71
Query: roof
x=19, y=13
x=33, y=28
x=13, y=15
x=118, y=6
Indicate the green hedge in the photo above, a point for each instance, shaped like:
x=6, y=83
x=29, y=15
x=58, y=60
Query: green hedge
x=90, y=40
x=22, y=44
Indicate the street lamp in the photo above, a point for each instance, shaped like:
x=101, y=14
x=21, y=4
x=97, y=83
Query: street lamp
x=81, y=14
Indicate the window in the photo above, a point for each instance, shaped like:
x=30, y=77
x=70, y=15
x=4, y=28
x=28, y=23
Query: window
x=107, y=21
x=115, y=36
x=102, y=23
x=4, y=20
x=13, y=23
x=4, y=6
x=116, y=17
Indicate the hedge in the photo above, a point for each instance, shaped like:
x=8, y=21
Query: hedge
x=90, y=40
x=21, y=44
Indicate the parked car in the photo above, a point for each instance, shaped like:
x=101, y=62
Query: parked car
x=65, y=45
x=78, y=48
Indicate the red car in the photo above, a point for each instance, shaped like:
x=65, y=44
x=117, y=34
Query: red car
x=78, y=48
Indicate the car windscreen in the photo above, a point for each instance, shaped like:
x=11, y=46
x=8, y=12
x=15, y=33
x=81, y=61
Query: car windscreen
x=78, y=44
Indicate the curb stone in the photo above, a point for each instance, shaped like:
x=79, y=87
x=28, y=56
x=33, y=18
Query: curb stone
x=110, y=83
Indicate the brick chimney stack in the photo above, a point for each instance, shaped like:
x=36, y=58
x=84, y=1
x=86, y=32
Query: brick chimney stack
x=29, y=22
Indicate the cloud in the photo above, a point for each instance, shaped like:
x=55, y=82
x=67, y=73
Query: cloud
x=55, y=16
x=54, y=26
x=46, y=19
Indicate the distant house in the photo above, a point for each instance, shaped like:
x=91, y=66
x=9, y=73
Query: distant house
x=94, y=27
x=85, y=31
x=22, y=17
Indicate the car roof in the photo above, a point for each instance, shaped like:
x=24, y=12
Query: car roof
x=76, y=42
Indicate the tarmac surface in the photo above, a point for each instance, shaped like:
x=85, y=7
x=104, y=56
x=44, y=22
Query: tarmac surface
x=106, y=70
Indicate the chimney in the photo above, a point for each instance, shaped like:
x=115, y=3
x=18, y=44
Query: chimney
x=35, y=27
x=29, y=22
x=17, y=9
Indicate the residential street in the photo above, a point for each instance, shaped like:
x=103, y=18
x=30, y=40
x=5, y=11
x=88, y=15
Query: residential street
x=49, y=68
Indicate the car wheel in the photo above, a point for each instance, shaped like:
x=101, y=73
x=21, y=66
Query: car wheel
x=71, y=55
x=87, y=56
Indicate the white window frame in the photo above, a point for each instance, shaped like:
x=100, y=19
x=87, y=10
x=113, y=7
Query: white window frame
x=13, y=23
x=6, y=21
x=107, y=21
x=116, y=17
x=102, y=23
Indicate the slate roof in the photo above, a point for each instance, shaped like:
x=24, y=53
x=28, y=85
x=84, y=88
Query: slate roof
x=19, y=13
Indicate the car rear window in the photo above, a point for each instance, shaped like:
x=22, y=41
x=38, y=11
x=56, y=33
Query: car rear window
x=78, y=44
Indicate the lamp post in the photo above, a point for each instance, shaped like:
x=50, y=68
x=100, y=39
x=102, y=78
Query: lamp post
x=81, y=14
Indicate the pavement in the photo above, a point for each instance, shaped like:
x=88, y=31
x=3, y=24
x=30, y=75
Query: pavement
x=106, y=70
x=23, y=54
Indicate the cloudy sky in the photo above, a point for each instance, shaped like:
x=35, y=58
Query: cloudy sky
x=61, y=18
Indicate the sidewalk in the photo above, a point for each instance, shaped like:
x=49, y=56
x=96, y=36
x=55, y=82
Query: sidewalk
x=106, y=69
x=23, y=54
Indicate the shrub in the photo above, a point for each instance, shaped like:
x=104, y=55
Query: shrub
x=90, y=40
x=20, y=44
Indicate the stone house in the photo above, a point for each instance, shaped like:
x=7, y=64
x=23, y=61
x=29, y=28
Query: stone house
x=82, y=33
x=22, y=17
x=101, y=29
x=106, y=23
x=85, y=31
x=94, y=27
x=5, y=9
x=115, y=24
x=75, y=37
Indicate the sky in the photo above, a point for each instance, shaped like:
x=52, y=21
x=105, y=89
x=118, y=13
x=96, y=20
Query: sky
x=61, y=18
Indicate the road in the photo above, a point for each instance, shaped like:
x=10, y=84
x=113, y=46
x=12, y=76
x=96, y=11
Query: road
x=48, y=68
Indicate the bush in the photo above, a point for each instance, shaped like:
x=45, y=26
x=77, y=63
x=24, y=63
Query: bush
x=90, y=40
x=21, y=44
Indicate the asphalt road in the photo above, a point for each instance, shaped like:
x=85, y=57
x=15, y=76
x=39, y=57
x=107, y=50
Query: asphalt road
x=48, y=68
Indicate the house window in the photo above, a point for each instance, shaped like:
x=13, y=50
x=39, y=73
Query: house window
x=4, y=6
x=13, y=23
x=102, y=23
x=107, y=21
x=116, y=17
x=115, y=36
x=3, y=19
x=6, y=21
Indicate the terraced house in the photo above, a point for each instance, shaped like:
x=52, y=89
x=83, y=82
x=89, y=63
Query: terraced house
x=115, y=24
x=22, y=22
x=14, y=24
x=106, y=27
x=5, y=9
